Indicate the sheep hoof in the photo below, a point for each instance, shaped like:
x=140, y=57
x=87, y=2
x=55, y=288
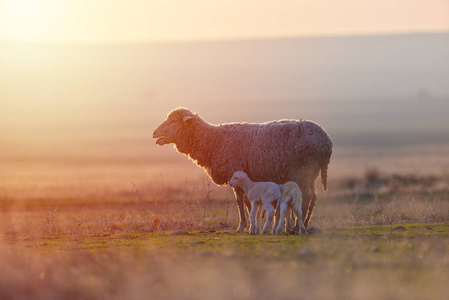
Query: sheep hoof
x=240, y=230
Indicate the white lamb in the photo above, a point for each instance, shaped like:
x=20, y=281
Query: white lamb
x=259, y=193
x=291, y=198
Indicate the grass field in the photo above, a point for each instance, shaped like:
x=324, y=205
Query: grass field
x=121, y=228
x=362, y=262
x=189, y=250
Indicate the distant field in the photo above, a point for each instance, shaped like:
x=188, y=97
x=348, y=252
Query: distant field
x=110, y=171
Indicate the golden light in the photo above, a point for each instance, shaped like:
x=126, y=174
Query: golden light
x=168, y=20
x=30, y=19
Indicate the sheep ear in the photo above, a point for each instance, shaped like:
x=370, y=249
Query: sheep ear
x=187, y=118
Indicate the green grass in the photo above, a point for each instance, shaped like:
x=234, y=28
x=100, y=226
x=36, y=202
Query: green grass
x=217, y=240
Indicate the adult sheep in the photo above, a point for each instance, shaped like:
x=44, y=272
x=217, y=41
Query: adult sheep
x=278, y=151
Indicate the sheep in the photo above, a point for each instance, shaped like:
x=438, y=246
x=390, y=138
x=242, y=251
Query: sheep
x=277, y=151
x=259, y=193
x=291, y=199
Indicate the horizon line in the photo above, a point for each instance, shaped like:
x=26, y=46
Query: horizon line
x=213, y=40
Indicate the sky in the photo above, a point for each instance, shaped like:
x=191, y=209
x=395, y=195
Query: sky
x=120, y=21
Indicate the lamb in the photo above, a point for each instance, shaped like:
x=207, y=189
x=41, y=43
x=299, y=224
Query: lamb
x=291, y=199
x=277, y=151
x=259, y=193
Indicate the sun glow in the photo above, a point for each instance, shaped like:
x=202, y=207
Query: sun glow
x=30, y=19
x=174, y=20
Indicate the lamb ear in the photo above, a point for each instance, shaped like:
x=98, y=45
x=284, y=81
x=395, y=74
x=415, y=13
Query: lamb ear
x=187, y=118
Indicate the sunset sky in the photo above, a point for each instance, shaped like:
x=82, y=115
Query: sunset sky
x=169, y=20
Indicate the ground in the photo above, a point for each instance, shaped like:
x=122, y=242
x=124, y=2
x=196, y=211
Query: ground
x=111, y=258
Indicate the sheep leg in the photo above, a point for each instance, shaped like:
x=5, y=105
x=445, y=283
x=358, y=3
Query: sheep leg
x=242, y=220
x=276, y=220
x=252, y=216
x=306, y=196
x=247, y=202
x=289, y=221
x=311, y=204
x=269, y=221
x=283, y=208
x=247, y=206
x=298, y=213
x=259, y=211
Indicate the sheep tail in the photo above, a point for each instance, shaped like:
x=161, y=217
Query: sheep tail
x=323, y=172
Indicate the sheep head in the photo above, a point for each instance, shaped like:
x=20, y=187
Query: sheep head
x=170, y=130
x=238, y=179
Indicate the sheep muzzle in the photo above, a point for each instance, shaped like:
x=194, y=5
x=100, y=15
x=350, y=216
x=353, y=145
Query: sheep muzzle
x=160, y=138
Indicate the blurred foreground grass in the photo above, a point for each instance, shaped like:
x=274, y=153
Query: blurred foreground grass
x=408, y=261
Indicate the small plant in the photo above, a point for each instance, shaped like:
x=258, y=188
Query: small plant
x=51, y=224
x=204, y=203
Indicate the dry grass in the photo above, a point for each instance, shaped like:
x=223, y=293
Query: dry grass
x=383, y=210
x=40, y=198
x=36, y=220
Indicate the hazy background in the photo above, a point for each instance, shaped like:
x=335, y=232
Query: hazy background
x=373, y=90
x=87, y=82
